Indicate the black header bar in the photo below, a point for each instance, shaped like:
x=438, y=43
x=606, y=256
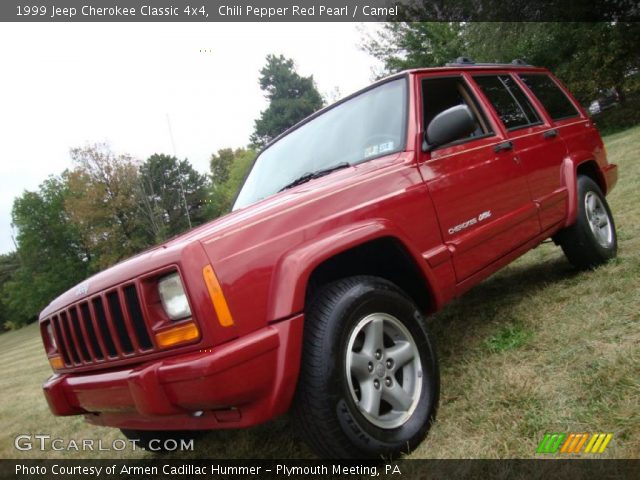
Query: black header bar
x=318, y=10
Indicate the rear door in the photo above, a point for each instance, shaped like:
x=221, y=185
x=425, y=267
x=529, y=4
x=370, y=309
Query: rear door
x=571, y=125
x=478, y=187
x=537, y=143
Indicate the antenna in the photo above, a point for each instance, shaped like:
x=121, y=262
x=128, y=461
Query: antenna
x=13, y=238
x=184, y=198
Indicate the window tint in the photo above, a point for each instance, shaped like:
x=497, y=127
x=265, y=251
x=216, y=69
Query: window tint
x=550, y=95
x=510, y=102
x=439, y=94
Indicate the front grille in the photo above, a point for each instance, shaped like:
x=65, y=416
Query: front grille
x=108, y=326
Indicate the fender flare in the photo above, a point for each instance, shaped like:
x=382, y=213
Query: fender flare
x=293, y=270
x=569, y=178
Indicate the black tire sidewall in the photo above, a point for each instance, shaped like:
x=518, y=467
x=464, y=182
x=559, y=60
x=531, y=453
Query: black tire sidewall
x=586, y=185
x=361, y=300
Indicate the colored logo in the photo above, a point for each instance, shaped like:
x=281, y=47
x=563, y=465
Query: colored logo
x=574, y=443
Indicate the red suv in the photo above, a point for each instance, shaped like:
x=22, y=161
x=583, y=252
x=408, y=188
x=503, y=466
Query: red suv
x=350, y=229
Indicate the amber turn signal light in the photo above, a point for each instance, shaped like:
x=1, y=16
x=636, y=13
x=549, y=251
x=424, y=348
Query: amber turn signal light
x=217, y=298
x=179, y=334
x=56, y=362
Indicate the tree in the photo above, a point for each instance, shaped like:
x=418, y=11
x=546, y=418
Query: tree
x=9, y=264
x=51, y=255
x=228, y=170
x=410, y=45
x=103, y=203
x=219, y=164
x=588, y=57
x=291, y=98
x=172, y=196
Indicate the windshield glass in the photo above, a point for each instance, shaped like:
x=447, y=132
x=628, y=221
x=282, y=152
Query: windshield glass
x=367, y=126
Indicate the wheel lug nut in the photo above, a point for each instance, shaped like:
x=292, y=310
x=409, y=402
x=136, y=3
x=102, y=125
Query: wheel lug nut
x=370, y=367
x=387, y=381
x=378, y=354
x=390, y=363
x=376, y=383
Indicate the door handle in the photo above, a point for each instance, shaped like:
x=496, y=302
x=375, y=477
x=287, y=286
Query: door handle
x=550, y=133
x=503, y=147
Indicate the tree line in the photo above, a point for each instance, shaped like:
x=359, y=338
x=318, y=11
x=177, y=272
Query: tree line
x=587, y=56
x=109, y=206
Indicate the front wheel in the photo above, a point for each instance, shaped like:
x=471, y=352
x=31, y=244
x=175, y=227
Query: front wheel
x=592, y=240
x=369, y=381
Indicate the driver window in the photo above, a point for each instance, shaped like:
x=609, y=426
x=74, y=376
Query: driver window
x=439, y=94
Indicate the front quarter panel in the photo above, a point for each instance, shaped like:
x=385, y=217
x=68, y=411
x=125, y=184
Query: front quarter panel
x=264, y=265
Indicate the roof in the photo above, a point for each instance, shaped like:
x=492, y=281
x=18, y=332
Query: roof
x=463, y=63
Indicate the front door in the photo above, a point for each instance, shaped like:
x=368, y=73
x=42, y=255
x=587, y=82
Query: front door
x=477, y=184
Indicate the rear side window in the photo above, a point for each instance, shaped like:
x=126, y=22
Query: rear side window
x=550, y=95
x=509, y=101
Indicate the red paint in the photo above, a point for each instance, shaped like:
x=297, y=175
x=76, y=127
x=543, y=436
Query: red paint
x=264, y=255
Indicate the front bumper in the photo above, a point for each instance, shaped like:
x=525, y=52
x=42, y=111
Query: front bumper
x=240, y=383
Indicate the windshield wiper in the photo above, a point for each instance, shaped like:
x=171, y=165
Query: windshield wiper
x=317, y=174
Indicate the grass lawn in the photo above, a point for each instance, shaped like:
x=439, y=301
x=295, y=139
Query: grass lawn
x=536, y=348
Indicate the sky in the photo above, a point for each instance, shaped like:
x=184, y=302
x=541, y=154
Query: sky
x=133, y=84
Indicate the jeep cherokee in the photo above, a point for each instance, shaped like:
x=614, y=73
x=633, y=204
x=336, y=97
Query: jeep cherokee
x=350, y=229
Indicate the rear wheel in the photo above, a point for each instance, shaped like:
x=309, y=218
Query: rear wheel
x=591, y=240
x=369, y=382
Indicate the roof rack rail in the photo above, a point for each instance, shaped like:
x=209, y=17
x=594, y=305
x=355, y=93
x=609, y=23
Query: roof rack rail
x=462, y=61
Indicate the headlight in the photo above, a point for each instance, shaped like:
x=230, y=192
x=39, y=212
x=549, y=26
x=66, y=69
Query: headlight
x=174, y=300
x=52, y=339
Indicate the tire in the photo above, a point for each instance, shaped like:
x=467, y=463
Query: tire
x=386, y=404
x=591, y=240
x=154, y=440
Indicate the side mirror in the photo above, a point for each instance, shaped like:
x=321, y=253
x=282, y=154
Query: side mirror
x=452, y=124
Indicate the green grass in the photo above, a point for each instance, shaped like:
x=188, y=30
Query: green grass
x=535, y=348
x=508, y=337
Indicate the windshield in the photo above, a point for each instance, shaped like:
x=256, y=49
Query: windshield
x=367, y=126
